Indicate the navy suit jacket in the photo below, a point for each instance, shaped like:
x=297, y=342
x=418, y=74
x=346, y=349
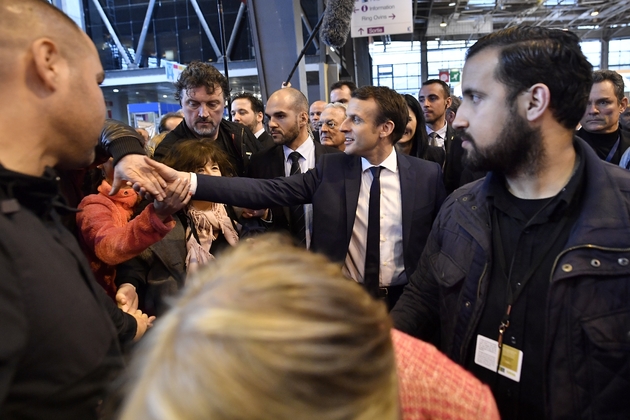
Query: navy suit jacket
x=270, y=164
x=333, y=188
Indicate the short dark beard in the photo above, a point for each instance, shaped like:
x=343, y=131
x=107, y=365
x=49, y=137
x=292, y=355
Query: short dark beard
x=518, y=150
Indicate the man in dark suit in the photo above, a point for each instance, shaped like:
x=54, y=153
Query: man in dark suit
x=248, y=110
x=288, y=115
x=435, y=99
x=340, y=189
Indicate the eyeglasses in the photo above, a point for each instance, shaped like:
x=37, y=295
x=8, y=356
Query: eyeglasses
x=330, y=124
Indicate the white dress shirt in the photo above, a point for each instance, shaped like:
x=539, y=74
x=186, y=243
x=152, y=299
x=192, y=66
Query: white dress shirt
x=392, y=265
x=307, y=161
x=441, y=135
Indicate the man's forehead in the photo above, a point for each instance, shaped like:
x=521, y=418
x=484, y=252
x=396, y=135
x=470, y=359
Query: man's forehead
x=432, y=89
x=242, y=103
x=333, y=113
x=603, y=88
x=361, y=106
x=201, y=92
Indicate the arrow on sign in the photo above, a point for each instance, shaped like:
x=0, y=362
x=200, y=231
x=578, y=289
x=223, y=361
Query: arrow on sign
x=393, y=16
x=361, y=31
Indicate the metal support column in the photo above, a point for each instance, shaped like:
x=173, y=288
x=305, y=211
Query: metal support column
x=112, y=32
x=277, y=37
x=143, y=34
x=206, y=28
x=362, y=62
x=237, y=22
x=603, y=60
x=424, y=64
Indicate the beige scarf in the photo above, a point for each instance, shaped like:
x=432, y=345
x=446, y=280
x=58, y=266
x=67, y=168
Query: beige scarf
x=208, y=224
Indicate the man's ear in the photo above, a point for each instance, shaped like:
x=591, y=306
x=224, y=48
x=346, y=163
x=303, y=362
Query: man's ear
x=387, y=128
x=623, y=105
x=48, y=63
x=449, y=102
x=259, y=117
x=536, y=100
x=304, y=120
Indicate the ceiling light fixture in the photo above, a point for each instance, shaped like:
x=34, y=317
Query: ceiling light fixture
x=594, y=13
x=164, y=96
x=115, y=90
x=443, y=24
x=451, y=4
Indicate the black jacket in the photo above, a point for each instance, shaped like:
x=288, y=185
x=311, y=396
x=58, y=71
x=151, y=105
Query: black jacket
x=58, y=346
x=587, y=344
x=234, y=139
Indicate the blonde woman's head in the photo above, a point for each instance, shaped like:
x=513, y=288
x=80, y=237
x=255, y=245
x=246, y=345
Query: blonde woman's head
x=268, y=331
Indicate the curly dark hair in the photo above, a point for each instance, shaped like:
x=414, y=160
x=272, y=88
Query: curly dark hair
x=192, y=155
x=553, y=57
x=199, y=74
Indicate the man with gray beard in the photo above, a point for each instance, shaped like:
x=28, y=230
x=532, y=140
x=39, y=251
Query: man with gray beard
x=525, y=273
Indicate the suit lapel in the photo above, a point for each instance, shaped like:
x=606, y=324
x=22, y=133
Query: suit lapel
x=277, y=166
x=319, y=150
x=407, y=196
x=352, y=177
x=449, y=138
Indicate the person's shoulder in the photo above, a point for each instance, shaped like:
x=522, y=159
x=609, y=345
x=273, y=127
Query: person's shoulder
x=235, y=128
x=431, y=382
x=266, y=153
x=325, y=149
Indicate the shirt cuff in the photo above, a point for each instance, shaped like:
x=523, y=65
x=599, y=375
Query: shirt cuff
x=193, y=183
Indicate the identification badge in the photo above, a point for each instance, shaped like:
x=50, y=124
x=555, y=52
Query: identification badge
x=487, y=355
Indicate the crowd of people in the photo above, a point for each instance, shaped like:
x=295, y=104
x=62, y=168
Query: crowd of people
x=370, y=255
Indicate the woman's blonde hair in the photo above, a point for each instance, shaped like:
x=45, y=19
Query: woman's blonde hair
x=268, y=331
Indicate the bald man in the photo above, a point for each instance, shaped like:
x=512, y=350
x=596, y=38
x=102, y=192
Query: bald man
x=288, y=114
x=60, y=333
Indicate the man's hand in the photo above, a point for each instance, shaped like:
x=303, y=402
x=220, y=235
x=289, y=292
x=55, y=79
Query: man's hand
x=136, y=170
x=177, y=196
x=127, y=298
x=169, y=175
x=144, y=322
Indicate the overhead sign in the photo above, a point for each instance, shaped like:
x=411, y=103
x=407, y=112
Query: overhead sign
x=173, y=70
x=381, y=17
x=456, y=76
x=444, y=75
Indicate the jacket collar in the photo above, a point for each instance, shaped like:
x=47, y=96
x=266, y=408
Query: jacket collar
x=604, y=212
x=38, y=194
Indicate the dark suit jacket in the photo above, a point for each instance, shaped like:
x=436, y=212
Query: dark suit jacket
x=333, y=188
x=453, y=166
x=265, y=140
x=269, y=164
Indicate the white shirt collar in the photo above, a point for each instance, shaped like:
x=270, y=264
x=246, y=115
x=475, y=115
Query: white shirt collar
x=390, y=162
x=259, y=132
x=306, y=148
x=441, y=132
